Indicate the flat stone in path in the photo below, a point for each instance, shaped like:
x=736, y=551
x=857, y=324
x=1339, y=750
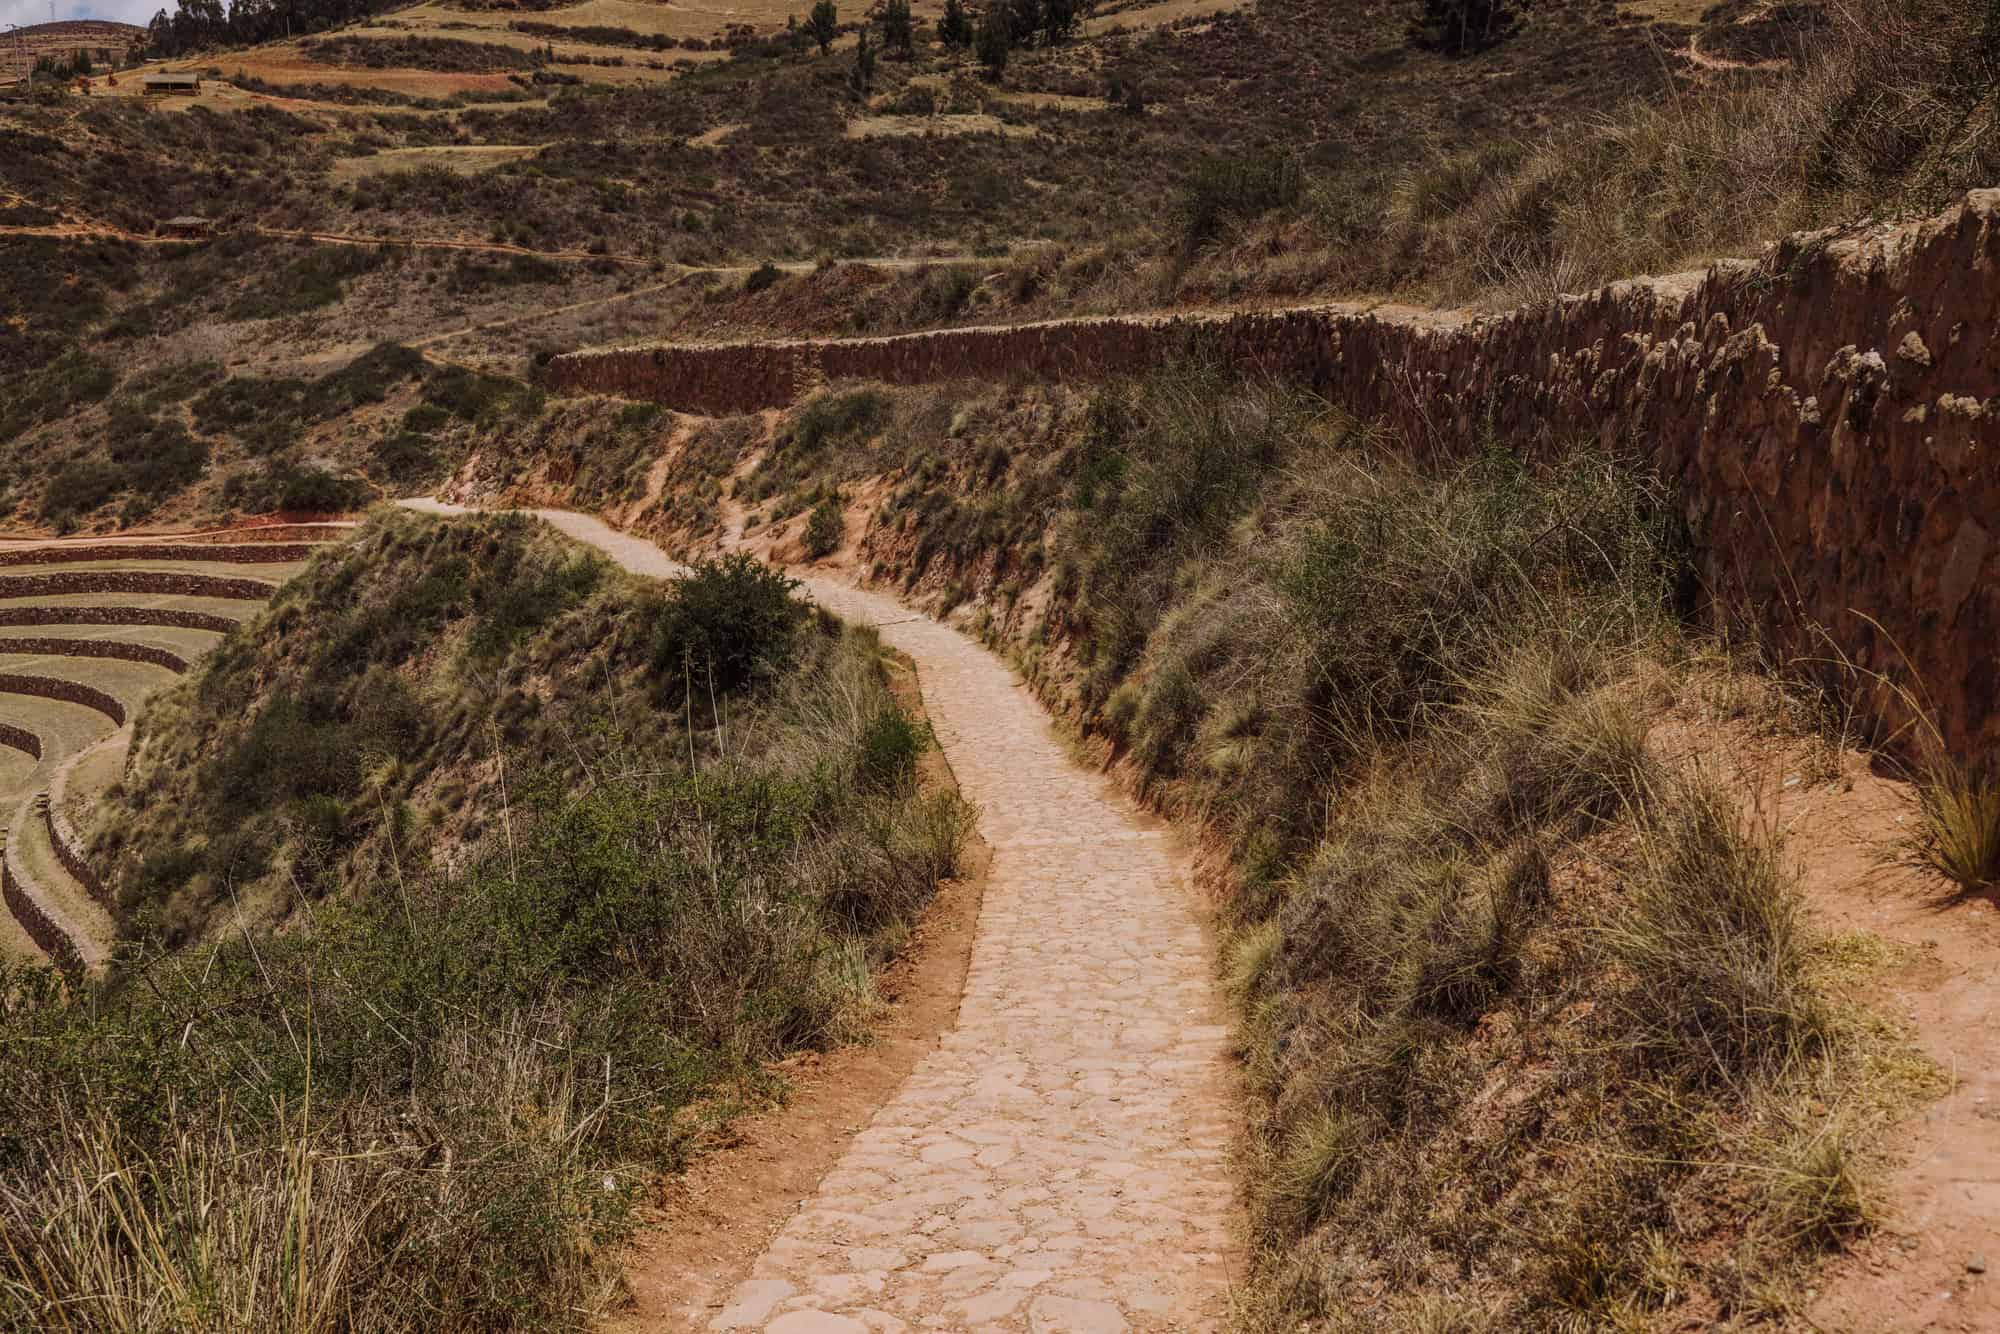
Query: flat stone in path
x=1061, y=1161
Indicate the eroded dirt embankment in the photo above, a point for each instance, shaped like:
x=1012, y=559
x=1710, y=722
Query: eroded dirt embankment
x=1828, y=410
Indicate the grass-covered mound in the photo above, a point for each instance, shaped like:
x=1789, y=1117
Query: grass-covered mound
x=431, y=1100
x=381, y=698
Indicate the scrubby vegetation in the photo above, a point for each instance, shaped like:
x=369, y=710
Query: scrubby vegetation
x=1872, y=108
x=1537, y=1034
x=432, y=1101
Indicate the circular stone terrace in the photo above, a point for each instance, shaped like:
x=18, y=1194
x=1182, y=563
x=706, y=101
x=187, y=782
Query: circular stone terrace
x=89, y=628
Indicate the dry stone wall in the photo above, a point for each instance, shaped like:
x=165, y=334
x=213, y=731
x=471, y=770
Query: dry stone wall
x=168, y=616
x=245, y=553
x=73, y=692
x=69, y=851
x=21, y=739
x=24, y=900
x=1831, y=413
x=134, y=581
x=95, y=648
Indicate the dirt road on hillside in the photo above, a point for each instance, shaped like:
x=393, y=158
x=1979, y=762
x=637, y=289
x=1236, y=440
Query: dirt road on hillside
x=1061, y=1160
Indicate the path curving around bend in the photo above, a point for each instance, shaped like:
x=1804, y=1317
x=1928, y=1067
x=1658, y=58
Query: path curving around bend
x=1062, y=1159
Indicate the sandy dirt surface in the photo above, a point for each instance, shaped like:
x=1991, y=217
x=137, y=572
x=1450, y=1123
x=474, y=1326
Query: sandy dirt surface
x=883, y=127
x=1139, y=16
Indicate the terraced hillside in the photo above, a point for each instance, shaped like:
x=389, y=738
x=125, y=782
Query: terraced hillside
x=89, y=629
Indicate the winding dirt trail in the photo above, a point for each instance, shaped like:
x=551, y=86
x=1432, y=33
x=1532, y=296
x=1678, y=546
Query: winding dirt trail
x=1060, y=1161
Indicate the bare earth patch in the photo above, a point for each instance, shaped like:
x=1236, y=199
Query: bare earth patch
x=884, y=127
x=462, y=159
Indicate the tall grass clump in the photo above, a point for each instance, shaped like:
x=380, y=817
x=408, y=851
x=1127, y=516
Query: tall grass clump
x=1224, y=188
x=1266, y=594
x=1958, y=805
x=433, y=1100
x=1714, y=939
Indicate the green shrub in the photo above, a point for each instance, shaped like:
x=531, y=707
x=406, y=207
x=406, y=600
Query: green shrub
x=1461, y=27
x=838, y=417
x=175, y=382
x=80, y=487
x=825, y=527
x=725, y=625
x=316, y=491
x=477, y=397
x=889, y=748
x=761, y=277
x=425, y=418
x=72, y=381
x=406, y=458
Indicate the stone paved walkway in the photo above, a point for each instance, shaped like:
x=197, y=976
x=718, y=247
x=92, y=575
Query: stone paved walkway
x=1061, y=1161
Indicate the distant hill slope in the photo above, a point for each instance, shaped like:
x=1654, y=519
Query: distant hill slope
x=21, y=48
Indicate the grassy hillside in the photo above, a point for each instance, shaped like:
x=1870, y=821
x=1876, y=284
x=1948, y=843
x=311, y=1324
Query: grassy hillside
x=589, y=908
x=93, y=441
x=1536, y=1031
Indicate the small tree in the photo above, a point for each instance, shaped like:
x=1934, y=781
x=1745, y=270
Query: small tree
x=825, y=527
x=1059, y=20
x=898, y=28
x=955, y=29
x=824, y=25
x=796, y=37
x=996, y=38
x=863, y=76
x=1462, y=27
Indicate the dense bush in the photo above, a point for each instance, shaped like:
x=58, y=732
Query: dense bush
x=727, y=624
x=71, y=381
x=825, y=526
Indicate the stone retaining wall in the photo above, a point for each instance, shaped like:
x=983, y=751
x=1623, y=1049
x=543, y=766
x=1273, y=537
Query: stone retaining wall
x=23, y=897
x=20, y=738
x=134, y=581
x=69, y=851
x=235, y=553
x=73, y=692
x=95, y=648
x=1830, y=412
x=304, y=530
x=168, y=616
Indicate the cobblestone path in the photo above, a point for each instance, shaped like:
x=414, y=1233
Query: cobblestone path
x=1061, y=1161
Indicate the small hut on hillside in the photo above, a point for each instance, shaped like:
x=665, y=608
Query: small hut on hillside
x=185, y=84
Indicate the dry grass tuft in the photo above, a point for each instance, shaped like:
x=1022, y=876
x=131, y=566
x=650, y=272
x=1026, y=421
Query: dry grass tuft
x=1715, y=942
x=1959, y=837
